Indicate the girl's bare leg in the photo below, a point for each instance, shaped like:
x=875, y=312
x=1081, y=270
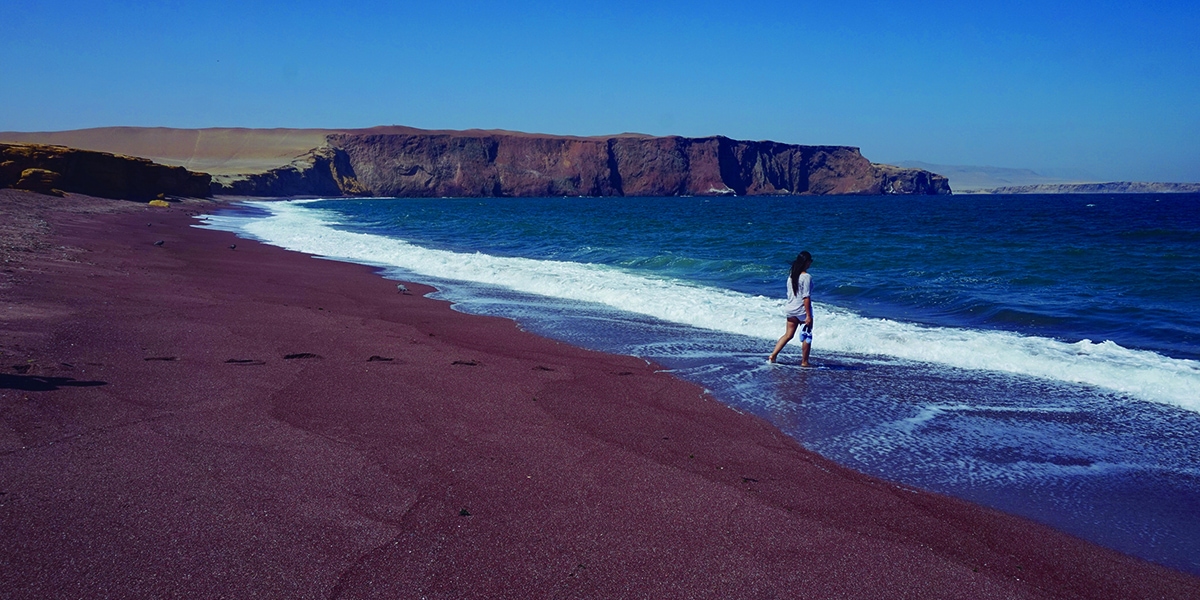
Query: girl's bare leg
x=792, y=324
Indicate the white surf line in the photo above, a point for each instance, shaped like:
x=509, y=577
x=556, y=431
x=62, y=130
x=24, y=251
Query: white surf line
x=1142, y=374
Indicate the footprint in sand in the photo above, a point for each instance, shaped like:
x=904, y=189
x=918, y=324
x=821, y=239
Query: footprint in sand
x=245, y=362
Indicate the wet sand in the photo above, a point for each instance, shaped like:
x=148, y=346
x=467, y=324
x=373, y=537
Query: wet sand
x=194, y=420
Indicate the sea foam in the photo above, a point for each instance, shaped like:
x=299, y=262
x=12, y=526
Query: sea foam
x=1137, y=373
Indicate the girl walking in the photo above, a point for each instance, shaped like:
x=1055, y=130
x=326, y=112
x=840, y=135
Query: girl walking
x=799, y=308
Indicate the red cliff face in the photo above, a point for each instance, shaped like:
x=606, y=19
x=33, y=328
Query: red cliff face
x=407, y=163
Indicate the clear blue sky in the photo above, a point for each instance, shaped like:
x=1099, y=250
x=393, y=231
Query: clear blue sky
x=1112, y=88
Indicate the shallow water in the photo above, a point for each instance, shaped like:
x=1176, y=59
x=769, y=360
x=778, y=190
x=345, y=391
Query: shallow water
x=980, y=347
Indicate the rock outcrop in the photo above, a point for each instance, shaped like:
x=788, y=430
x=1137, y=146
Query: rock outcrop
x=412, y=163
x=40, y=181
x=57, y=169
x=324, y=171
x=899, y=180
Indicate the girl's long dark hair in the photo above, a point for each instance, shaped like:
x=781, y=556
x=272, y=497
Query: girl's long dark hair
x=798, y=266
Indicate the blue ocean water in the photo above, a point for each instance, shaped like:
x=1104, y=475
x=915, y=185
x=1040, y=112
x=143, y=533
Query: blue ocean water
x=1037, y=354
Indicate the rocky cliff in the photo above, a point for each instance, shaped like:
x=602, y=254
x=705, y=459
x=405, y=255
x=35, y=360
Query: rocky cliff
x=324, y=171
x=57, y=169
x=407, y=162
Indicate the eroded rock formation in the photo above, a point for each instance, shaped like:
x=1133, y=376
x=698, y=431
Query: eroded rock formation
x=57, y=169
x=413, y=163
x=403, y=161
x=324, y=171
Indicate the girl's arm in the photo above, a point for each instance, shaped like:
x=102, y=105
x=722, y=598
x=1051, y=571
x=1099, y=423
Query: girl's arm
x=808, y=314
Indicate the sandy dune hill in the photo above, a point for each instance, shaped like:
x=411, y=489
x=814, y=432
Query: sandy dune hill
x=219, y=151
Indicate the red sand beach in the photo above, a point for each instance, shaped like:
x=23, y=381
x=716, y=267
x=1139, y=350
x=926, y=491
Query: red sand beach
x=194, y=420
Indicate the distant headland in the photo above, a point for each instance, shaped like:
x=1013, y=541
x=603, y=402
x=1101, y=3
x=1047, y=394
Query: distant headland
x=407, y=162
x=976, y=179
x=1112, y=187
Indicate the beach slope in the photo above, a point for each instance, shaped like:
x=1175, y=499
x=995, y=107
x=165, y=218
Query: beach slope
x=212, y=417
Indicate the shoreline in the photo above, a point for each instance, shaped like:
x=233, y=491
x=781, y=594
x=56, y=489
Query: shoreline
x=337, y=453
